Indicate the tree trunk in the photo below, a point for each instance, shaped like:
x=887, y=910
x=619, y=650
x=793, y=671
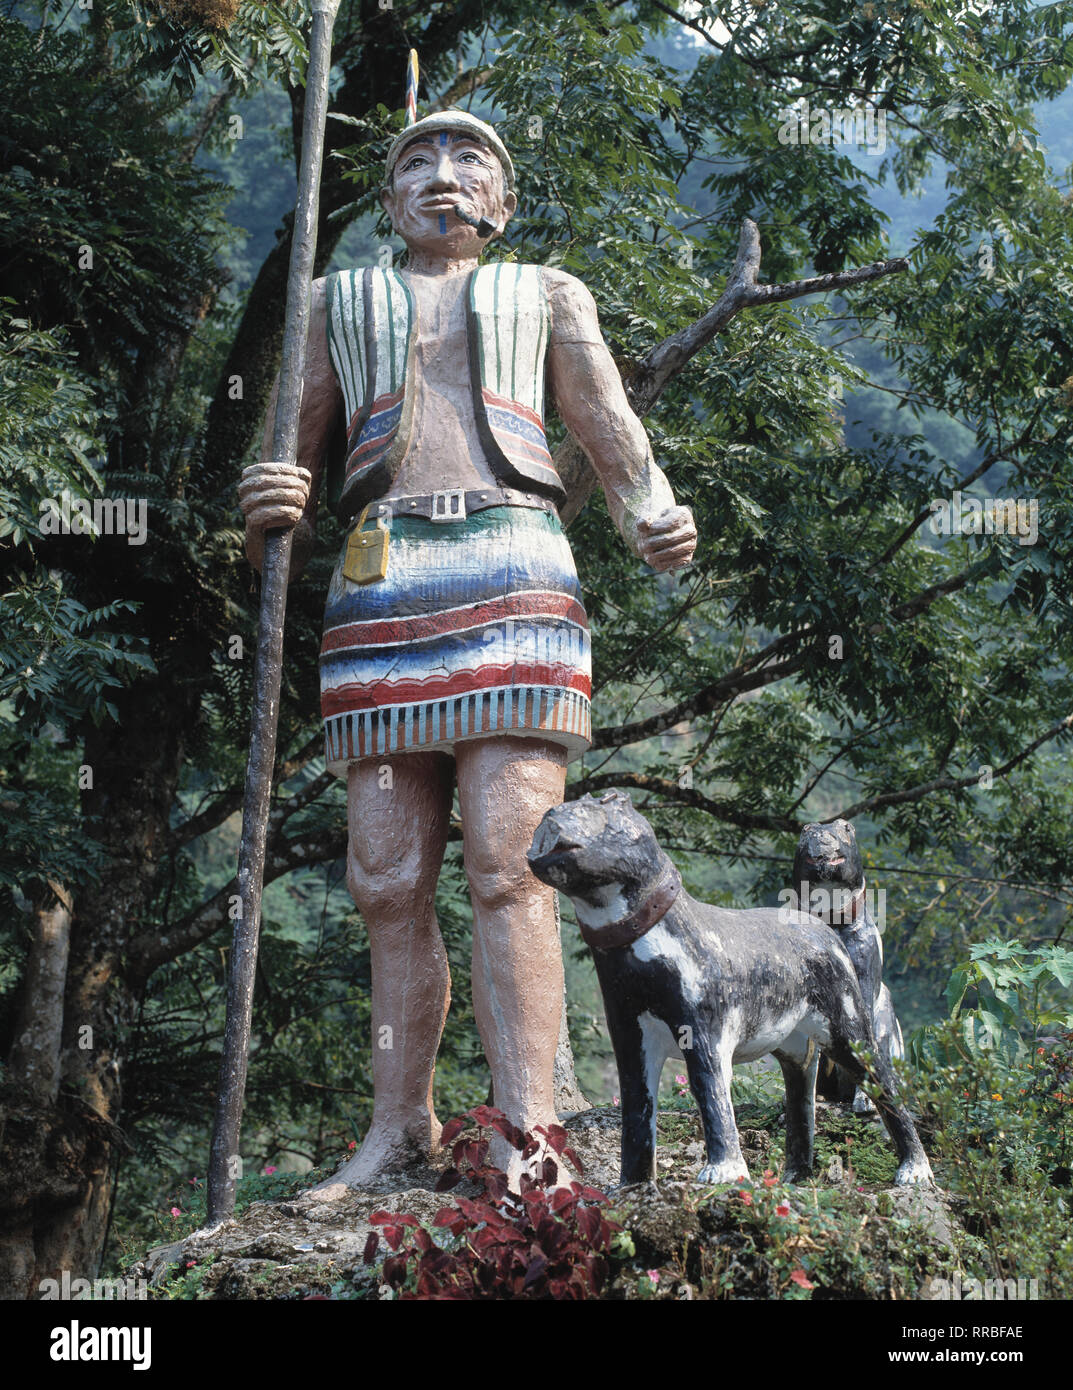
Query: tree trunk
x=34, y=1063
x=58, y=1151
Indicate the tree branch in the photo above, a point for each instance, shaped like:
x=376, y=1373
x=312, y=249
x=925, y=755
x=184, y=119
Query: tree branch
x=152, y=949
x=465, y=86
x=230, y=801
x=938, y=784
x=978, y=472
x=736, y=682
x=666, y=360
x=742, y=678
x=685, y=796
x=661, y=365
x=913, y=607
x=206, y=122
x=746, y=820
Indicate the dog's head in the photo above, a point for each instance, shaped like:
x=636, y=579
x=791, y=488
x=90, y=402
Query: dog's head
x=586, y=844
x=827, y=854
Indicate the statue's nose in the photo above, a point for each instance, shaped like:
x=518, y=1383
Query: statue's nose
x=550, y=837
x=444, y=177
x=547, y=832
x=821, y=844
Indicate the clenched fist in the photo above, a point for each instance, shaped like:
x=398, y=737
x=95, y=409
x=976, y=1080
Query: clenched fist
x=273, y=495
x=669, y=540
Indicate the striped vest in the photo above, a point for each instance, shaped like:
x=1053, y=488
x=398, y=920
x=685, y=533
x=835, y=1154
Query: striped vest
x=372, y=329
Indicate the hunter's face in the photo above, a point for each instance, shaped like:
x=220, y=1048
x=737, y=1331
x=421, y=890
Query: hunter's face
x=434, y=174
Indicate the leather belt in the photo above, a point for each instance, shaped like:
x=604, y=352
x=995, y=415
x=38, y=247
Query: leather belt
x=455, y=504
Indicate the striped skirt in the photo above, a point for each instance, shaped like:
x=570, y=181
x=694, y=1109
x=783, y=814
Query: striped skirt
x=478, y=629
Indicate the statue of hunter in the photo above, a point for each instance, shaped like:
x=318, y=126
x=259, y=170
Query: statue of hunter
x=456, y=646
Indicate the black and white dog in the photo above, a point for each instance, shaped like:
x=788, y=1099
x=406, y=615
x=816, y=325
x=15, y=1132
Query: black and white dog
x=711, y=985
x=829, y=884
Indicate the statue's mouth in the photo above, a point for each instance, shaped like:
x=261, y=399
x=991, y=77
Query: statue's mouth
x=484, y=225
x=551, y=849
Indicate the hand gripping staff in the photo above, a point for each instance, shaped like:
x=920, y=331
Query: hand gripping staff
x=224, y=1159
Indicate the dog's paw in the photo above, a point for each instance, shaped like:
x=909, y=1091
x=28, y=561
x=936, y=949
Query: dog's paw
x=914, y=1172
x=730, y=1170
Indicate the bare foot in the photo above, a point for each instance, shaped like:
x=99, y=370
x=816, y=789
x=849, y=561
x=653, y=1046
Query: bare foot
x=384, y=1150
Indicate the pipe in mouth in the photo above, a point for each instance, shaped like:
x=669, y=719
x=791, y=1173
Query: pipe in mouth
x=483, y=226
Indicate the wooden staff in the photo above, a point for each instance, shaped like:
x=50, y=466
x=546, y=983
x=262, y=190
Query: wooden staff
x=224, y=1162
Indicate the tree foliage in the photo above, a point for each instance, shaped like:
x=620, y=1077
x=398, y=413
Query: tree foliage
x=827, y=653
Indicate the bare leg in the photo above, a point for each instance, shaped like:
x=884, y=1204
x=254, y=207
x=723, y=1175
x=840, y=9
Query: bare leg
x=398, y=808
x=505, y=785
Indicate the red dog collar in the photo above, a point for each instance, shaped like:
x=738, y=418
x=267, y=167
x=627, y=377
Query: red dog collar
x=657, y=903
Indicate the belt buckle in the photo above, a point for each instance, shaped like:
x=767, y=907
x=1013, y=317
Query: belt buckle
x=449, y=504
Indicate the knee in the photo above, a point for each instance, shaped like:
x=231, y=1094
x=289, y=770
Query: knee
x=389, y=891
x=498, y=875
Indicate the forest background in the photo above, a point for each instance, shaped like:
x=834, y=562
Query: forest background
x=827, y=653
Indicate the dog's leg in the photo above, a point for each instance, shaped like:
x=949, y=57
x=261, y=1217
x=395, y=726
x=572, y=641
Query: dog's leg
x=913, y=1165
x=800, y=1078
x=640, y=1063
x=833, y=1084
x=709, y=1071
x=865, y=948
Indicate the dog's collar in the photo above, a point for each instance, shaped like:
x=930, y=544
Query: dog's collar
x=656, y=903
x=847, y=915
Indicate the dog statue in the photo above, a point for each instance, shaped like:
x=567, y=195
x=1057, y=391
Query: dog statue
x=711, y=985
x=829, y=884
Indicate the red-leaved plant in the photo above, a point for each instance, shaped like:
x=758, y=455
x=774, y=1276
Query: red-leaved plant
x=539, y=1244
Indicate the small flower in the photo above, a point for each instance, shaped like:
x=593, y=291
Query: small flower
x=783, y=1209
x=800, y=1278
x=191, y=1263
x=614, y=1100
x=768, y=1173
x=269, y=1171
x=746, y=1197
x=769, y=1181
x=653, y=1275
x=680, y=1080
x=176, y=1212
x=352, y=1145
x=1040, y=1051
x=996, y=1095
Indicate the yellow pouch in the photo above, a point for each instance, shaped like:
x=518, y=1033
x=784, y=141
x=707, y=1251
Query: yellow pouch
x=366, y=552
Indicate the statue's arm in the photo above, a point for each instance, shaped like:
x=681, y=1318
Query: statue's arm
x=591, y=399
x=276, y=494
